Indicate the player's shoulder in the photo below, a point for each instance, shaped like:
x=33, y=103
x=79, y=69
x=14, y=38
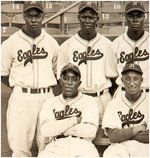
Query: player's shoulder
x=88, y=98
x=49, y=102
x=104, y=39
x=49, y=37
x=69, y=41
x=120, y=38
x=114, y=102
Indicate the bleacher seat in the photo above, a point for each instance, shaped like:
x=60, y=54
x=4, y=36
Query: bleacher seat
x=7, y=31
x=116, y=30
x=110, y=19
x=4, y=20
x=113, y=7
x=53, y=31
x=18, y=20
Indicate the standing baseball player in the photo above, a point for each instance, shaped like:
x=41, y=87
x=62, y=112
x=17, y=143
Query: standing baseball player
x=28, y=61
x=126, y=118
x=132, y=45
x=87, y=49
x=68, y=121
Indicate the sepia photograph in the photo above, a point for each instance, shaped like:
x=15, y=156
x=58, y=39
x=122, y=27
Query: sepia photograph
x=74, y=78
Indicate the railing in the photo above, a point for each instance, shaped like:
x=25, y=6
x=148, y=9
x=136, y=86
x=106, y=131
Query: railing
x=61, y=14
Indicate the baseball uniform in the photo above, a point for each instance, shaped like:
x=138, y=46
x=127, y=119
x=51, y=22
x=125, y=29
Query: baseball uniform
x=124, y=49
x=67, y=135
x=90, y=57
x=30, y=65
x=121, y=114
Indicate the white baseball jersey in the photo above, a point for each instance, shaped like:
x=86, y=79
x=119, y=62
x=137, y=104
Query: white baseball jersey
x=90, y=57
x=124, y=49
x=29, y=62
x=120, y=113
x=59, y=115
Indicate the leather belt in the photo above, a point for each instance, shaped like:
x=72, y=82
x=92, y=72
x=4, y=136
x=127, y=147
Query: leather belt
x=35, y=91
x=94, y=94
x=63, y=136
x=146, y=90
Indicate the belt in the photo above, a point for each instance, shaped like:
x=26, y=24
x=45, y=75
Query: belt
x=63, y=136
x=94, y=94
x=146, y=90
x=35, y=91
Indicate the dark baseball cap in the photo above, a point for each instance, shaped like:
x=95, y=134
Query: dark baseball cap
x=132, y=6
x=130, y=66
x=71, y=67
x=32, y=4
x=86, y=4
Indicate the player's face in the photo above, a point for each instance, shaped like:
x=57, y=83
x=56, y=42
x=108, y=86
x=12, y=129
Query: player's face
x=135, y=21
x=70, y=82
x=132, y=82
x=33, y=19
x=88, y=19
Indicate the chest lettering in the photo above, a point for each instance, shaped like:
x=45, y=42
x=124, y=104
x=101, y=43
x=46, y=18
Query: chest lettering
x=130, y=118
x=91, y=54
x=30, y=55
x=66, y=113
x=137, y=55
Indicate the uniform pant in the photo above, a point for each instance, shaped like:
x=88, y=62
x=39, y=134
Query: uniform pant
x=22, y=114
x=130, y=148
x=69, y=147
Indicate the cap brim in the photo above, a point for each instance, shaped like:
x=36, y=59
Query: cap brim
x=30, y=7
x=135, y=9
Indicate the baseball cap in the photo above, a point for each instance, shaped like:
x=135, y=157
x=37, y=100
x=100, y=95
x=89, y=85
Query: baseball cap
x=86, y=4
x=132, y=6
x=71, y=67
x=32, y=4
x=131, y=66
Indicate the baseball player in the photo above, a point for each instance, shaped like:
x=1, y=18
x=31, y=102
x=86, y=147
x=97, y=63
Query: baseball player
x=126, y=118
x=28, y=60
x=132, y=45
x=68, y=122
x=87, y=49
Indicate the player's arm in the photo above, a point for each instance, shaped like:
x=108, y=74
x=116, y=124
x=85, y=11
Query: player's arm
x=57, y=127
x=117, y=135
x=88, y=125
x=5, y=80
x=85, y=130
x=6, y=61
x=142, y=137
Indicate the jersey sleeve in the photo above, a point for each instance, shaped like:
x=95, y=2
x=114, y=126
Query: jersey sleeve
x=110, y=118
x=88, y=126
x=55, y=57
x=49, y=126
x=111, y=63
x=6, y=58
x=62, y=57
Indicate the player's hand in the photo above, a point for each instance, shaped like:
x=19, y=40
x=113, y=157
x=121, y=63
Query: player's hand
x=139, y=128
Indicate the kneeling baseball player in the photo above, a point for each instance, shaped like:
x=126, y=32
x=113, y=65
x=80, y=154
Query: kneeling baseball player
x=126, y=118
x=69, y=122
